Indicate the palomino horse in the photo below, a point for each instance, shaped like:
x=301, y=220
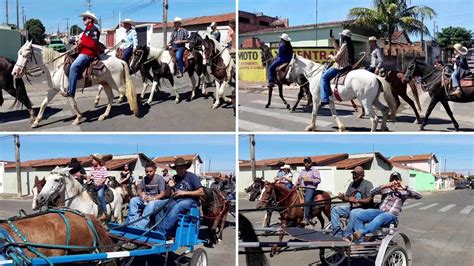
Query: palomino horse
x=64, y=190
x=215, y=208
x=51, y=62
x=432, y=81
x=14, y=87
x=222, y=67
x=50, y=228
x=359, y=83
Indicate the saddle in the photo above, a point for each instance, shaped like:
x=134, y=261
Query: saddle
x=186, y=56
x=119, y=53
x=281, y=72
x=91, y=189
x=96, y=67
x=340, y=79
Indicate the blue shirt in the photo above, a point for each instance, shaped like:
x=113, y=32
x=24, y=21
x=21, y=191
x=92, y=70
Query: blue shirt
x=285, y=56
x=190, y=182
x=130, y=40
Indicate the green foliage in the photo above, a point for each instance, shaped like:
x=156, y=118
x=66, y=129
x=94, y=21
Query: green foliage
x=452, y=35
x=75, y=30
x=36, y=30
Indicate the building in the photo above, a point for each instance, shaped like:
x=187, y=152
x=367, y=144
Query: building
x=450, y=179
x=258, y=21
x=424, y=162
x=196, y=167
x=418, y=179
x=9, y=49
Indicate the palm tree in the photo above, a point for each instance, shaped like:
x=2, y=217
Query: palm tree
x=389, y=16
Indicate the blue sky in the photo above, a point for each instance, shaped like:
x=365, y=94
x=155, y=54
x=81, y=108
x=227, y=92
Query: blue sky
x=450, y=12
x=219, y=148
x=457, y=149
x=52, y=12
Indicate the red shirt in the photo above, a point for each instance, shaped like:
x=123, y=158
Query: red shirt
x=90, y=41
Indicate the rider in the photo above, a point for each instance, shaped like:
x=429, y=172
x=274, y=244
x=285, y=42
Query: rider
x=166, y=176
x=357, y=196
x=88, y=47
x=309, y=179
x=461, y=68
x=343, y=59
x=187, y=189
x=286, y=177
x=130, y=41
x=179, y=38
x=215, y=32
x=285, y=54
x=151, y=193
x=77, y=170
x=229, y=39
x=126, y=180
x=99, y=176
x=394, y=195
x=376, y=56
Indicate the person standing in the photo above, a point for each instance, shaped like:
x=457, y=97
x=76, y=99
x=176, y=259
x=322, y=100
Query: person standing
x=99, y=176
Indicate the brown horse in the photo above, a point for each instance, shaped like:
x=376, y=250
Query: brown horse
x=50, y=228
x=215, y=208
x=38, y=186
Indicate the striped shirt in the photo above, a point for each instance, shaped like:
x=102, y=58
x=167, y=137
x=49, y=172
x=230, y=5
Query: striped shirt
x=309, y=178
x=99, y=174
x=393, y=199
x=180, y=34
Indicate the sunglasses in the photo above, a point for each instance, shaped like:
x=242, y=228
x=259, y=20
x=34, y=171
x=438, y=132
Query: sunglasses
x=84, y=18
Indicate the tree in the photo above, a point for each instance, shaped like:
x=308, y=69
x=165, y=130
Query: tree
x=75, y=30
x=35, y=30
x=389, y=16
x=452, y=35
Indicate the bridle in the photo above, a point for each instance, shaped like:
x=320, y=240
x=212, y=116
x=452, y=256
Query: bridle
x=57, y=187
x=425, y=86
x=27, y=59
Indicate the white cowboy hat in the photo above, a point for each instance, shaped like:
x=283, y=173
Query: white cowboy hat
x=90, y=15
x=286, y=166
x=285, y=37
x=346, y=32
x=128, y=21
x=178, y=19
x=372, y=38
x=213, y=24
x=461, y=49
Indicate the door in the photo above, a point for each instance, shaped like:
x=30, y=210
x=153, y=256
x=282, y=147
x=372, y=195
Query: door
x=142, y=36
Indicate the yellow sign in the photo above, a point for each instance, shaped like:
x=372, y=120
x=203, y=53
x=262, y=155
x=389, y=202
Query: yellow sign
x=250, y=61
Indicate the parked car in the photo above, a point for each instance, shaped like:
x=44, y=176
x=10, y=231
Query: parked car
x=73, y=40
x=472, y=183
x=460, y=185
x=57, y=45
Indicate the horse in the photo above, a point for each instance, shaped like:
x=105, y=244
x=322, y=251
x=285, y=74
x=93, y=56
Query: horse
x=64, y=190
x=116, y=77
x=359, y=83
x=14, y=87
x=267, y=60
x=432, y=81
x=215, y=208
x=222, y=67
x=59, y=227
x=123, y=189
x=254, y=189
x=37, y=187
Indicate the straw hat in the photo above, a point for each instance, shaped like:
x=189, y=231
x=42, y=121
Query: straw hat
x=346, y=32
x=285, y=37
x=286, y=166
x=128, y=21
x=461, y=49
x=98, y=157
x=91, y=15
x=178, y=19
x=180, y=161
x=372, y=38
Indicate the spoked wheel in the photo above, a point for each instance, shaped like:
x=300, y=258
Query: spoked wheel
x=395, y=256
x=199, y=258
x=331, y=257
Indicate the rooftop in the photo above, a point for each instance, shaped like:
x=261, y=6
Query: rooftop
x=299, y=27
x=411, y=158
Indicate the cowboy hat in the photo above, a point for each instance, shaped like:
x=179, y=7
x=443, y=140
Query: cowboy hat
x=128, y=21
x=372, y=38
x=285, y=37
x=461, y=49
x=307, y=159
x=395, y=176
x=213, y=24
x=91, y=15
x=98, y=157
x=346, y=32
x=75, y=166
x=178, y=19
x=286, y=166
x=180, y=161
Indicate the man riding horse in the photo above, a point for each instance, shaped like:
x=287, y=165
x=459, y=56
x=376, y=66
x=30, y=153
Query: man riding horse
x=285, y=54
x=179, y=38
x=376, y=57
x=461, y=69
x=130, y=41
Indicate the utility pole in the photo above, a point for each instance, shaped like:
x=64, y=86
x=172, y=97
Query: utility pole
x=165, y=23
x=6, y=11
x=17, y=16
x=58, y=29
x=16, y=139
x=88, y=4
x=209, y=166
x=445, y=159
x=23, y=16
x=252, y=157
x=67, y=28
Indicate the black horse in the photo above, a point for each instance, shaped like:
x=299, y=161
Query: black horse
x=14, y=87
x=432, y=80
x=267, y=60
x=255, y=190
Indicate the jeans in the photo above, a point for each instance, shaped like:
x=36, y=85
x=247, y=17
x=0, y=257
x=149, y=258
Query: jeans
x=272, y=68
x=375, y=219
x=289, y=185
x=338, y=212
x=101, y=195
x=127, y=53
x=179, y=58
x=137, y=204
x=350, y=222
x=170, y=221
x=329, y=74
x=75, y=72
x=308, y=197
x=455, y=78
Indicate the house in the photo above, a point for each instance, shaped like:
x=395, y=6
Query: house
x=196, y=167
x=418, y=179
x=2, y=174
x=258, y=21
x=450, y=179
x=425, y=162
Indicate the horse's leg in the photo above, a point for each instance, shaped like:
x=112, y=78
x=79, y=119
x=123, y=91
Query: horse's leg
x=434, y=100
x=415, y=94
x=340, y=125
x=145, y=87
x=73, y=103
x=176, y=93
x=110, y=98
x=152, y=93
x=97, y=98
x=450, y=113
x=354, y=105
x=300, y=95
x=270, y=91
x=49, y=96
x=280, y=92
x=193, y=84
x=371, y=113
x=218, y=99
x=412, y=105
x=384, y=110
x=314, y=113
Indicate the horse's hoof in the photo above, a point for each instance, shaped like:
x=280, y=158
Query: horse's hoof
x=177, y=100
x=360, y=116
x=35, y=125
x=147, y=105
x=288, y=107
x=101, y=118
x=214, y=106
x=309, y=128
x=268, y=105
x=293, y=109
x=456, y=129
x=77, y=121
x=121, y=100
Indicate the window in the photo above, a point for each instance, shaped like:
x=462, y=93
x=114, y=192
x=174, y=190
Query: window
x=244, y=20
x=264, y=23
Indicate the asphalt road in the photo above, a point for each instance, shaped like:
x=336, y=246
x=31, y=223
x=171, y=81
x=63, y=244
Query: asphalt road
x=253, y=116
x=440, y=227
x=163, y=114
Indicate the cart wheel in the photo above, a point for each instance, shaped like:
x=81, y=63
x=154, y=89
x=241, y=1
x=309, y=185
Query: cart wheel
x=199, y=258
x=331, y=257
x=395, y=256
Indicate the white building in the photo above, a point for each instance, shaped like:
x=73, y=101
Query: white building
x=196, y=167
x=424, y=162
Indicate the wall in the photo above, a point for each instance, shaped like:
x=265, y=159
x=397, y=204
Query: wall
x=10, y=48
x=2, y=172
x=156, y=36
x=423, y=181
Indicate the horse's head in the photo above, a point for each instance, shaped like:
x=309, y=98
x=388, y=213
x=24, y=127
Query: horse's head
x=25, y=55
x=268, y=195
x=209, y=48
x=291, y=74
x=37, y=188
x=266, y=55
x=255, y=189
x=138, y=58
x=195, y=41
x=112, y=182
x=54, y=187
x=416, y=69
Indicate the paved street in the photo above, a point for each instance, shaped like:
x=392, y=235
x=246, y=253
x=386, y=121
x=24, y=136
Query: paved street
x=164, y=114
x=253, y=116
x=440, y=227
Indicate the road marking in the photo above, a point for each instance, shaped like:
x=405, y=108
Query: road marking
x=446, y=208
x=290, y=118
x=429, y=206
x=467, y=209
x=411, y=206
x=251, y=126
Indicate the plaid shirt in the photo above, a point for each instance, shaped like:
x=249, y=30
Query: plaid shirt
x=180, y=34
x=312, y=174
x=393, y=199
x=99, y=175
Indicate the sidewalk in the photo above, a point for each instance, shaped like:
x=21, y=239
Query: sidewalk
x=14, y=196
x=261, y=86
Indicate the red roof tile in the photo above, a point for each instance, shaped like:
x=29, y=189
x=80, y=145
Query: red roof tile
x=317, y=160
x=410, y=158
x=170, y=159
x=201, y=20
x=351, y=163
x=270, y=30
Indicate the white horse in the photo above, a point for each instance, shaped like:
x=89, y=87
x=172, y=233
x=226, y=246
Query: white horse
x=222, y=66
x=64, y=189
x=51, y=62
x=359, y=83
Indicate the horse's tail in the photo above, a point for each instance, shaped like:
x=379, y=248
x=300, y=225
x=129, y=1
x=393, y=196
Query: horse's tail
x=415, y=94
x=130, y=91
x=255, y=257
x=389, y=98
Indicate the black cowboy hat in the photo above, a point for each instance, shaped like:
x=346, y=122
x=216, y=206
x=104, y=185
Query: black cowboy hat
x=180, y=161
x=307, y=159
x=75, y=166
x=395, y=176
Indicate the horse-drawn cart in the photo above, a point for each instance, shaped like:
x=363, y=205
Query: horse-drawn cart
x=146, y=242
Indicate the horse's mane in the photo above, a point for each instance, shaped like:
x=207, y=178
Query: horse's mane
x=49, y=55
x=155, y=52
x=75, y=185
